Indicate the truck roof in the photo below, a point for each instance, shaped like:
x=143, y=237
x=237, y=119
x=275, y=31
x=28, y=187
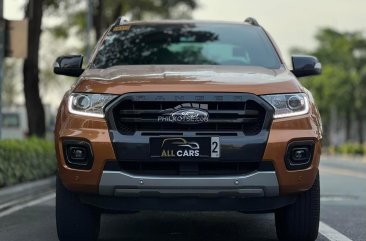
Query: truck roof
x=169, y=21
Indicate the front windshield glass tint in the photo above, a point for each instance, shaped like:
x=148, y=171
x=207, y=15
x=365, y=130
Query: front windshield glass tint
x=186, y=44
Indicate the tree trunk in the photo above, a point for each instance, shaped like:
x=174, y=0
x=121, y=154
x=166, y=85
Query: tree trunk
x=98, y=20
x=117, y=12
x=33, y=102
x=348, y=124
x=360, y=121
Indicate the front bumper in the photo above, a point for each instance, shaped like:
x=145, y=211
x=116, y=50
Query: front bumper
x=93, y=181
x=133, y=204
x=259, y=184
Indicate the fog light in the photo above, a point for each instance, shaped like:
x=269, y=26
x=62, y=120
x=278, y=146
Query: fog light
x=299, y=154
x=78, y=154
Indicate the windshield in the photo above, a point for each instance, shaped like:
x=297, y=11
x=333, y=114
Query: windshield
x=186, y=44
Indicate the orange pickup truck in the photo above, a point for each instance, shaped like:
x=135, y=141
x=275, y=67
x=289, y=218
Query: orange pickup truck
x=187, y=115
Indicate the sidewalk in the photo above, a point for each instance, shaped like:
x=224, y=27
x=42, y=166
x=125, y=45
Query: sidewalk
x=14, y=193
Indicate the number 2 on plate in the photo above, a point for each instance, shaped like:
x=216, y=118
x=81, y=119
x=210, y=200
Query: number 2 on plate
x=215, y=147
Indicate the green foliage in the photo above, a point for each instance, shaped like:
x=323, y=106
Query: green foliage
x=329, y=88
x=107, y=11
x=342, y=83
x=26, y=160
x=348, y=149
x=338, y=82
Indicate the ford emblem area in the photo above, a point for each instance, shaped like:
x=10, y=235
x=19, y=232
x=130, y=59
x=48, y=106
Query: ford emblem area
x=184, y=116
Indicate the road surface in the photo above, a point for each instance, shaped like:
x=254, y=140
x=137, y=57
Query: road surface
x=343, y=216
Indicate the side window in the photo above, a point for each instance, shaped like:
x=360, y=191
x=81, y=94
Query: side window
x=11, y=120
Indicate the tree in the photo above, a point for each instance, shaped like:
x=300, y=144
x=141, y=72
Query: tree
x=106, y=11
x=341, y=86
x=137, y=10
x=33, y=102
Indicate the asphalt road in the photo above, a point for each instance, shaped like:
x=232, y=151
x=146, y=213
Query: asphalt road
x=343, y=216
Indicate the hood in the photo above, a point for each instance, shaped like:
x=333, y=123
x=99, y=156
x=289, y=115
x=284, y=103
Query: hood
x=187, y=78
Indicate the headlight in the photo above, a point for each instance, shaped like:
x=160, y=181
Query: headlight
x=89, y=104
x=287, y=105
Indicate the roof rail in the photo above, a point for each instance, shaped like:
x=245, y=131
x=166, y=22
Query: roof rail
x=121, y=20
x=252, y=21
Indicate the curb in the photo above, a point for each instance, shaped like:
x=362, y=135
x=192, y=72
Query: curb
x=27, y=189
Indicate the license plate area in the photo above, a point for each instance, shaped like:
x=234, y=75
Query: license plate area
x=185, y=147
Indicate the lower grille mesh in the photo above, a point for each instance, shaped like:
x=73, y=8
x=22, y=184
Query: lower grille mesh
x=182, y=168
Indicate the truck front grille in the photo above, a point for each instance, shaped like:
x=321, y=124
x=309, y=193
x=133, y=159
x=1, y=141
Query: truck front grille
x=228, y=113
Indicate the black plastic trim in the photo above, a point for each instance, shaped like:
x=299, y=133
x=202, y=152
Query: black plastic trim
x=136, y=146
x=266, y=166
x=202, y=170
x=294, y=144
x=78, y=143
x=246, y=205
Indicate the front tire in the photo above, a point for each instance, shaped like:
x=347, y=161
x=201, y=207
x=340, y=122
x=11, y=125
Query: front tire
x=74, y=220
x=300, y=220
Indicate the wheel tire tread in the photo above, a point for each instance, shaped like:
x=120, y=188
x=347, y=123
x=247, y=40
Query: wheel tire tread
x=74, y=220
x=300, y=220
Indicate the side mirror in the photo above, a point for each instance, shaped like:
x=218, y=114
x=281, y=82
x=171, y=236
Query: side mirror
x=70, y=65
x=304, y=65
